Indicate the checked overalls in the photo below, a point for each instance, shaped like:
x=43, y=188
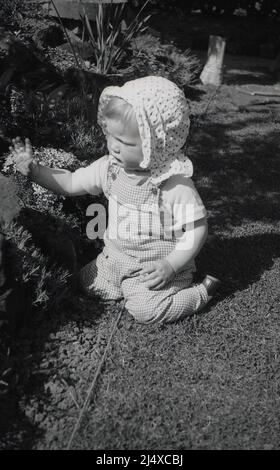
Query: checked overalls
x=135, y=237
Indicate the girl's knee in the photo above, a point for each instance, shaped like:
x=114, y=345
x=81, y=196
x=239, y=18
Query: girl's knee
x=86, y=277
x=146, y=312
x=160, y=308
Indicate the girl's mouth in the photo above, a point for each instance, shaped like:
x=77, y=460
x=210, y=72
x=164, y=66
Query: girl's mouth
x=117, y=159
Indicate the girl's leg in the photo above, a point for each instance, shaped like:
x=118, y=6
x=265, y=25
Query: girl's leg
x=165, y=305
x=100, y=278
x=186, y=302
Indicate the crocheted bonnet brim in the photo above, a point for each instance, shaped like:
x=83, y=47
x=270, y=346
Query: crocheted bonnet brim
x=162, y=114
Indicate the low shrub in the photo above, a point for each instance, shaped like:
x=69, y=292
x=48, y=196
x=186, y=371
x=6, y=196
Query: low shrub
x=13, y=11
x=217, y=7
x=41, y=198
x=42, y=278
x=151, y=57
x=70, y=210
x=53, y=209
x=68, y=116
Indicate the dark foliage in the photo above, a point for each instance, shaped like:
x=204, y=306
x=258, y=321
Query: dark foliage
x=218, y=7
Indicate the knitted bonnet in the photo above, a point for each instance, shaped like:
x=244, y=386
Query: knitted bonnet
x=162, y=115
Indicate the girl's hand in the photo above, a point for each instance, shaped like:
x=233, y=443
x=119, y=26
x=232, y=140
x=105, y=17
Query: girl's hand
x=23, y=155
x=157, y=275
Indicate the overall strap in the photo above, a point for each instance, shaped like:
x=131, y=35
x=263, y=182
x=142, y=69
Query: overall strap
x=112, y=174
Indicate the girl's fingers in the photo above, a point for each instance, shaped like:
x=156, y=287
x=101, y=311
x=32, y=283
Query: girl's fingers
x=149, y=277
x=28, y=145
x=18, y=148
x=159, y=286
x=19, y=141
x=20, y=145
x=135, y=271
x=152, y=284
x=148, y=270
x=152, y=281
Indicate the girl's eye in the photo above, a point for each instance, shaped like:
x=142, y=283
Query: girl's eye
x=128, y=144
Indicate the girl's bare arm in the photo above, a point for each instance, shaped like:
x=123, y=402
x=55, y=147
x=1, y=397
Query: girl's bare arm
x=58, y=180
x=193, y=240
x=161, y=272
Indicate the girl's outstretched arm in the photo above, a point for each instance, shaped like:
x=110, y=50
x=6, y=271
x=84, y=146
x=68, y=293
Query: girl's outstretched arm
x=55, y=179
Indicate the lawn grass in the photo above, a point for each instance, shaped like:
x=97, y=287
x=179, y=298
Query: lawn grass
x=208, y=382
x=212, y=381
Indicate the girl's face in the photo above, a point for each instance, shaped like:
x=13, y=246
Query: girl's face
x=124, y=143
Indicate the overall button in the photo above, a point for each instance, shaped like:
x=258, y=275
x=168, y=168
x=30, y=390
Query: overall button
x=114, y=176
x=154, y=190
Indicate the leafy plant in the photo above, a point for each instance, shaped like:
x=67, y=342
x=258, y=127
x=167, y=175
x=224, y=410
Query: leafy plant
x=42, y=279
x=12, y=11
x=111, y=39
x=71, y=211
x=42, y=199
x=150, y=56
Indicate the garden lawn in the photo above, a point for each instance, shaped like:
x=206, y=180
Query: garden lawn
x=209, y=382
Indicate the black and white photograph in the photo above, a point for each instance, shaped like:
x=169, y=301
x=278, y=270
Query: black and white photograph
x=139, y=228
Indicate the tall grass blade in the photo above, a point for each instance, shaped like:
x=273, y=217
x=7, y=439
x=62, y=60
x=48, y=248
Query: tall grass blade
x=109, y=42
x=67, y=35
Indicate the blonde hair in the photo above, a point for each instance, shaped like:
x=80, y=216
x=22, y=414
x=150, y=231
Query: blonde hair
x=119, y=109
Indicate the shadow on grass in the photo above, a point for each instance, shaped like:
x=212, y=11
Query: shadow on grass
x=239, y=262
x=238, y=170
x=16, y=430
x=30, y=390
x=193, y=94
x=46, y=378
x=257, y=76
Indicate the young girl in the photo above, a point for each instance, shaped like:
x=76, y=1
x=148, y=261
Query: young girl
x=157, y=221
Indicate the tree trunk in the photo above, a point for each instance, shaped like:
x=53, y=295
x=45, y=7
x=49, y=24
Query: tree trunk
x=213, y=69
